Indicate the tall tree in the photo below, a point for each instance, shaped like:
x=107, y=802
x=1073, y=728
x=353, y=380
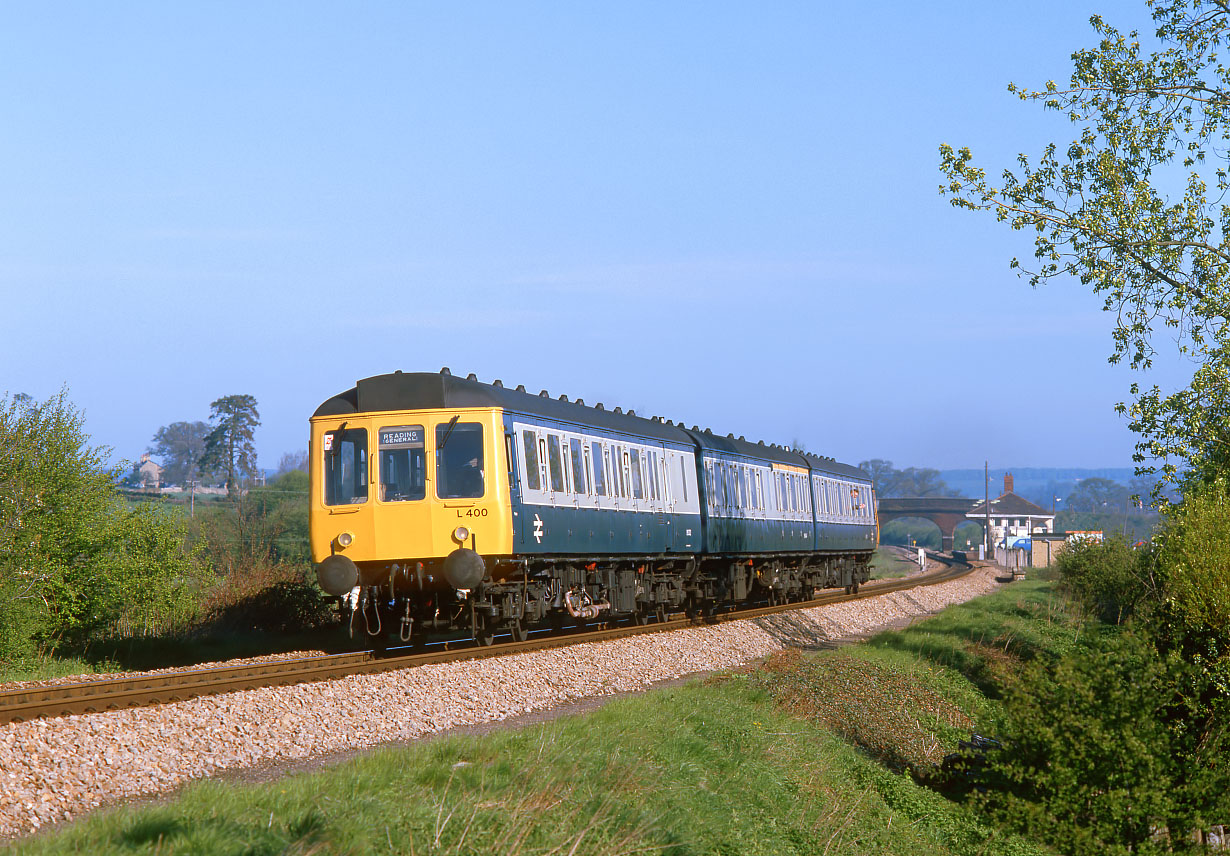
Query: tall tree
x=1127, y=208
x=228, y=447
x=180, y=445
x=912, y=481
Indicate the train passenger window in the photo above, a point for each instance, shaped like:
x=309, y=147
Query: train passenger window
x=653, y=474
x=555, y=459
x=625, y=472
x=635, y=463
x=346, y=467
x=759, y=491
x=683, y=478
x=794, y=495
x=599, y=476
x=403, y=463
x=459, y=460
x=530, y=447
x=578, y=467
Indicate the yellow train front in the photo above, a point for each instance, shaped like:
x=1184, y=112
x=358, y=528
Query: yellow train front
x=402, y=503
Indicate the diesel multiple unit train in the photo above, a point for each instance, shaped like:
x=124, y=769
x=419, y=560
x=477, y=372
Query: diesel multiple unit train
x=441, y=504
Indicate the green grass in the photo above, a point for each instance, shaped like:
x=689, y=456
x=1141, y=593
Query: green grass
x=803, y=754
x=887, y=564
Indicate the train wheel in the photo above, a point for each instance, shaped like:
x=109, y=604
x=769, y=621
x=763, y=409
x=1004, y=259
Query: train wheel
x=518, y=631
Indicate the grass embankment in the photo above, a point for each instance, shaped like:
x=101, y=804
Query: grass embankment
x=888, y=564
x=804, y=754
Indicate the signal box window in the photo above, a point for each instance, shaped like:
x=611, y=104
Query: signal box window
x=403, y=463
x=459, y=460
x=346, y=467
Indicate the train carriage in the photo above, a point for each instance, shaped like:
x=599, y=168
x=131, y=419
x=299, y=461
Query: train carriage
x=444, y=504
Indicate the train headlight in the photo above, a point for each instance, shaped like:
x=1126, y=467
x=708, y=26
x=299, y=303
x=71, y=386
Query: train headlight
x=461, y=534
x=345, y=540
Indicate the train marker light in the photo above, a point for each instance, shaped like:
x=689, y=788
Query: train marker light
x=461, y=534
x=345, y=540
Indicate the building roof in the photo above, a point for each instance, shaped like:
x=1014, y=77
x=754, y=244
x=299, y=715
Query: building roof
x=1010, y=505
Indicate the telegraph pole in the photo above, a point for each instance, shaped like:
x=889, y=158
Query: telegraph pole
x=986, y=507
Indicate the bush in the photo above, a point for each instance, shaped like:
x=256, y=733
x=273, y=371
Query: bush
x=1110, y=578
x=1100, y=754
x=76, y=563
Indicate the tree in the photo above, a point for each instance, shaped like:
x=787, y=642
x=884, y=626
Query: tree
x=1095, y=494
x=292, y=462
x=1126, y=208
x=75, y=561
x=912, y=481
x=228, y=447
x=180, y=445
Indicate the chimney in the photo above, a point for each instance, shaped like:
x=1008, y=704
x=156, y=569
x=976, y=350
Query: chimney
x=1007, y=482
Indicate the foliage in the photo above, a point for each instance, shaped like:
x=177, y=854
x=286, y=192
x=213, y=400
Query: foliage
x=1127, y=209
x=1097, y=758
x=180, y=445
x=292, y=461
x=1195, y=552
x=229, y=449
x=911, y=481
x=75, y=562
x=1109, y=578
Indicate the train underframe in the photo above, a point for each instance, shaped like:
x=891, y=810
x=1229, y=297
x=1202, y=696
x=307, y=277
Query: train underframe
x=406, y=602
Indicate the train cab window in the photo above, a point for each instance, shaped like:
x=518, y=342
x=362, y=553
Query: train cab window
x=403, y=463
x=599, y=475
x=530, y=446
x=578, y=467
x=459, y=460
x=346, y=466
x=635, y=466
x=555, y=460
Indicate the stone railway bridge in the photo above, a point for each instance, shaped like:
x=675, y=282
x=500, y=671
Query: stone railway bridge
x=945, y=512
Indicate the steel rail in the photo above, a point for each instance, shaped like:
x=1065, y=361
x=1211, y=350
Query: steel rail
x=51, y=700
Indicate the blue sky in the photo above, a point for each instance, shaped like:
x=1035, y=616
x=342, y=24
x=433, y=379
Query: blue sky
x=722, y=213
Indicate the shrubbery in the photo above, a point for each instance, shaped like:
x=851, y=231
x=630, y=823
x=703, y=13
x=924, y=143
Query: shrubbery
x=1121, y=746
x=76, y=563
x=1110, y=578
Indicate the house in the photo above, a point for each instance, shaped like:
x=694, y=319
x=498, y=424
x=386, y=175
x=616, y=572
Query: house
x=1013, y=518
x=149, y=473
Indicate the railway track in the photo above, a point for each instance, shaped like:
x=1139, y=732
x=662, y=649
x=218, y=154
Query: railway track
x=27, y=703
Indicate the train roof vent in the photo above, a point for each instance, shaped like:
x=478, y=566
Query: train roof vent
x=631, y=412
x=696, y=428
x=563, y=398
x=730, y=436
x=599, y=406
x=445, y=370
x=498, y=382
x=762, y=442
x=741, y=437
x=708, y=430
x=520, y=387
x=471, y=376
x=544, y=394
x=581, y=402
x=617, y=410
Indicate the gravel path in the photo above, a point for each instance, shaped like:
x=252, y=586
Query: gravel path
x=53, y=770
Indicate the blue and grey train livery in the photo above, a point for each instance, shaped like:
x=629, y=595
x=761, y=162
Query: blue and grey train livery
x=440, y=503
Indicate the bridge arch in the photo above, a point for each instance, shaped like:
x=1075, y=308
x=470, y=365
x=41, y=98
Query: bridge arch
x=946, y=512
